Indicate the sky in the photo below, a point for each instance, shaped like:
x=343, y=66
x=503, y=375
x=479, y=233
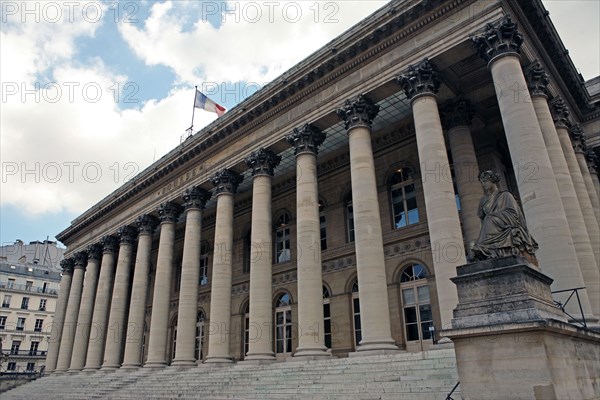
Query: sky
x=92, y=92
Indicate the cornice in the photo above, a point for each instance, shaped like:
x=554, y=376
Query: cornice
x=350, y=51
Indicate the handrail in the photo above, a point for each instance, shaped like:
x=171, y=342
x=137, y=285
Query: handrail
x=574, y=291
x=449, y=396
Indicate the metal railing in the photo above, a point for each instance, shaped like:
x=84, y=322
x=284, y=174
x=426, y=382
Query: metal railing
x=20, y=372
x=27, y=288
x=449, y=396
x=562, y=306
x=24, y=353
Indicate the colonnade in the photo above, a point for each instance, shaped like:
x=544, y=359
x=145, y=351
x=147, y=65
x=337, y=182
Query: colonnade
x=100, y=323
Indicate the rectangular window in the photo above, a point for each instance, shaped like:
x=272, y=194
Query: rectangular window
x=14, y=348
x=12, y=366
x=39, y=323
x=28, y=285
x=42, y=304
x=282, y=240
x=11, y=283
x=20, y=324
x=45, y=287
x=25, y=303
x=327, y=323
x=6, y=301
x=323, y=224
x=203, y=270
x=2, y=322
x=33, y=349
x=350, y=221
x=30, y=367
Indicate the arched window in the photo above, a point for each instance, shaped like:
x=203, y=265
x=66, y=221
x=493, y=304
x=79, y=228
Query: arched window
x=199, y=334
x=416, y=303
x=403, y=197
x=282, y=238
x=247, y=252
x=323, y=225
x=283, y=324
x=349, y=218
x=326, y=317
x=204, y=250
x=356, y=314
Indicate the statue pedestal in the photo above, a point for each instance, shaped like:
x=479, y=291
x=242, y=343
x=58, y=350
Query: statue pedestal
x=512, y=342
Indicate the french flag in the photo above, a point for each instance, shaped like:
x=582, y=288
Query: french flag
x=204, y=103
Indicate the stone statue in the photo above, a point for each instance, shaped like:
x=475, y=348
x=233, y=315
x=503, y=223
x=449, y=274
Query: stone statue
x=503, y=230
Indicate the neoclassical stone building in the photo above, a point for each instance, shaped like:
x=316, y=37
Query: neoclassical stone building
x=327, y=213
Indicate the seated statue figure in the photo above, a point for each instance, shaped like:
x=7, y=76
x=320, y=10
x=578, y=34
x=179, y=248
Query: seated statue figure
x=503, y=230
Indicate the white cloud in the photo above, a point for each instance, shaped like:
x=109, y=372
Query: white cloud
x=255, y=43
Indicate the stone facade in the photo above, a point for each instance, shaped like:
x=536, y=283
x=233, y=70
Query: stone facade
x=384, y=209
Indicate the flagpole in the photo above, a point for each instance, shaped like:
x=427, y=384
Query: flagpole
x=193, y=110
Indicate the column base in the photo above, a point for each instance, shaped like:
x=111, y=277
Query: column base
x=155, y=364
x=375, y=348
x=312, y=353
x=219, y=360
x=109, y=368
x=91, y=369
x=74, y=371
x=59, y=371
x=184, y=363
x=258, y=359
x=131, y=366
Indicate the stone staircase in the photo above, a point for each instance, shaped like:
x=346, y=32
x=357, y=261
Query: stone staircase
x=413, y=376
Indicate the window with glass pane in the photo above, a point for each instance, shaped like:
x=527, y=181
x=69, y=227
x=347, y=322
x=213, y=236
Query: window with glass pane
x=12, y=366
x=6, y=301
x=30, y=366
x=2, y=322
x=247, y=330
x=282, y=239
x=247, y=252
x=323, y=225
x=33, y=348
x=283, y=324
x=42, y=305
x=404, y=198
x=349, y=218
x=199, y=334
x=20, y=324
x=356, y=314
x=25, y=303
x=204, y=250
x=326, y=317
x=15, y=346
x=38, y=325
x=416, y=302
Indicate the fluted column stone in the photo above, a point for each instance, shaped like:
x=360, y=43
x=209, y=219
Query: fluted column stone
x=311, y=340
x=54, y=339
x=117, y=320
x=587, y=268
x=499, y=45
x=456, y=118
x=146, y=224
x=262, y=162
x=358, y=115
x=420, y=83
x=592, y=160
x=95, y=351
x=194, y=200
x=159, y=324
x=226, y=182
x=70, y=324
x=580, y=147
x=84, y=320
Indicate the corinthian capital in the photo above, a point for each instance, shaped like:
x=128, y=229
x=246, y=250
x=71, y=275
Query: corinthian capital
x=94, y=251
x=501, y=37
x=109, y=244
x=537, y=79
x=560, y=112
x=306, y=139
x=592, y=160
x=263, y=162
x=67, y=265
x=420, y=78
x=169, y=212
x=195, y=197
x=226, y=181
x=456, y=112
x=81, y=259
x=146, y=224
x=578, y=139
x=358, y=112
x=127, y=234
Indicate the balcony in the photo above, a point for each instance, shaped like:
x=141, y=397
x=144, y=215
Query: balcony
x=24, y=353
x=27, y=288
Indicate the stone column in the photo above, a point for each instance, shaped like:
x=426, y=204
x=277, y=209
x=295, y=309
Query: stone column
x=194, y=200
x=311, y=340
x=262, y=162
x=456, y=116
x=95, y=351
x=421, y=84
x=84, y=320
x=226, y=183
x=560, y=113
x=159, y=324
x=67, y=265
x=542, y=205
x=70, y=325
x=139, y=292
x=358, y=114
x=580, y=147
x=115, y=336
x=592, y=160
x=537, y=81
